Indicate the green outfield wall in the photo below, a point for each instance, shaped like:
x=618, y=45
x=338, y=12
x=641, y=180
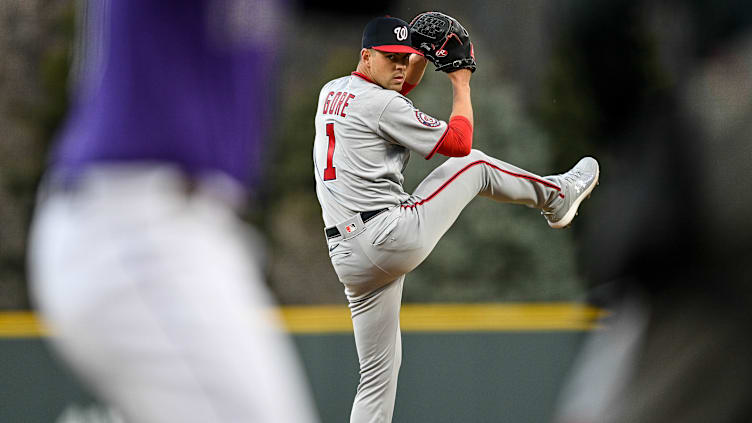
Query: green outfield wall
x=457, y=366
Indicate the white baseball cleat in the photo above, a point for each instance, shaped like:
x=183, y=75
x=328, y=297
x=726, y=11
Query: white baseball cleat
x=576, y=185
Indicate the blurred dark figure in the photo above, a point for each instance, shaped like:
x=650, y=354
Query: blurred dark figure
x=669, y=95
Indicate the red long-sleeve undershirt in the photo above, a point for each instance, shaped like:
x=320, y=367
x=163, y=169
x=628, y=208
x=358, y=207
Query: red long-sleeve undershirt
x=457, y=141
x=407, y=87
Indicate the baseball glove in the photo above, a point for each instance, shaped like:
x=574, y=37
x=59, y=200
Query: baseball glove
x=443, y=41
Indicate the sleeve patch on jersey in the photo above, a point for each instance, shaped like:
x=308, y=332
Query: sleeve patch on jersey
x=427, y=120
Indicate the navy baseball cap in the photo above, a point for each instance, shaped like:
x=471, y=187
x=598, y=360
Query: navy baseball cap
x=390, y=35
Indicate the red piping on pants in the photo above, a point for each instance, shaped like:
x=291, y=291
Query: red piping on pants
x=517, y=175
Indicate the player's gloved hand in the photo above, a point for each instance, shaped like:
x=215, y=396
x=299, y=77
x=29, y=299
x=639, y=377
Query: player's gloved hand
x=443, y=41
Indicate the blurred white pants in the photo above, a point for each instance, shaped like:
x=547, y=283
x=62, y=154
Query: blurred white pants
x=154, y=297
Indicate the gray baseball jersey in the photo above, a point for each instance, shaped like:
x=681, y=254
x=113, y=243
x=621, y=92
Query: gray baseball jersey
x=364, y=134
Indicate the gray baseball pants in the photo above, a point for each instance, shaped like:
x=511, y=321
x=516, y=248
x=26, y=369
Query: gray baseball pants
x=372, y=261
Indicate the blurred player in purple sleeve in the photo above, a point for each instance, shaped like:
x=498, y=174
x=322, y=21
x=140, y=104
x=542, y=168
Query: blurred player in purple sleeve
x=139, y=264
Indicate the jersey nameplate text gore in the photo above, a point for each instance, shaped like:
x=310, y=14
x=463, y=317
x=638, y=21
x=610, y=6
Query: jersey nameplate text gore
x=336, y=103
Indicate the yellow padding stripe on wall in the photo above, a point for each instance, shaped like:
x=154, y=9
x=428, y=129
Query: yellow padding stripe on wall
x=20, y=324
x=491, y=317
x=454, y=317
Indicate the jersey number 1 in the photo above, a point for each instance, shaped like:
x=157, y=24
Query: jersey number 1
x=330, y=173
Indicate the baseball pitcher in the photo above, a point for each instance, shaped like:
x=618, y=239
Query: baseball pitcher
x=376, y=232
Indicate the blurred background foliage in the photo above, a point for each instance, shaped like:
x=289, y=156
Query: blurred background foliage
x=36, y=39
x=531, y=109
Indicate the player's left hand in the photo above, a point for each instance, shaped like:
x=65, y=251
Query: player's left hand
x=443, y=41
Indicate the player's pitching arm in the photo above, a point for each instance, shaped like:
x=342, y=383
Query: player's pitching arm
x=415, y=69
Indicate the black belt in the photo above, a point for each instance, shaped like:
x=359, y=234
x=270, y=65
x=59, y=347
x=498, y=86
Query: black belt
x=332, y=232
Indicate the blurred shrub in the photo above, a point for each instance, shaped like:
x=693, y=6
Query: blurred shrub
x=35, y=46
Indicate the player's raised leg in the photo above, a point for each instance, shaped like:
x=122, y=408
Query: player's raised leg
x=445, y=192
x=375, y=318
